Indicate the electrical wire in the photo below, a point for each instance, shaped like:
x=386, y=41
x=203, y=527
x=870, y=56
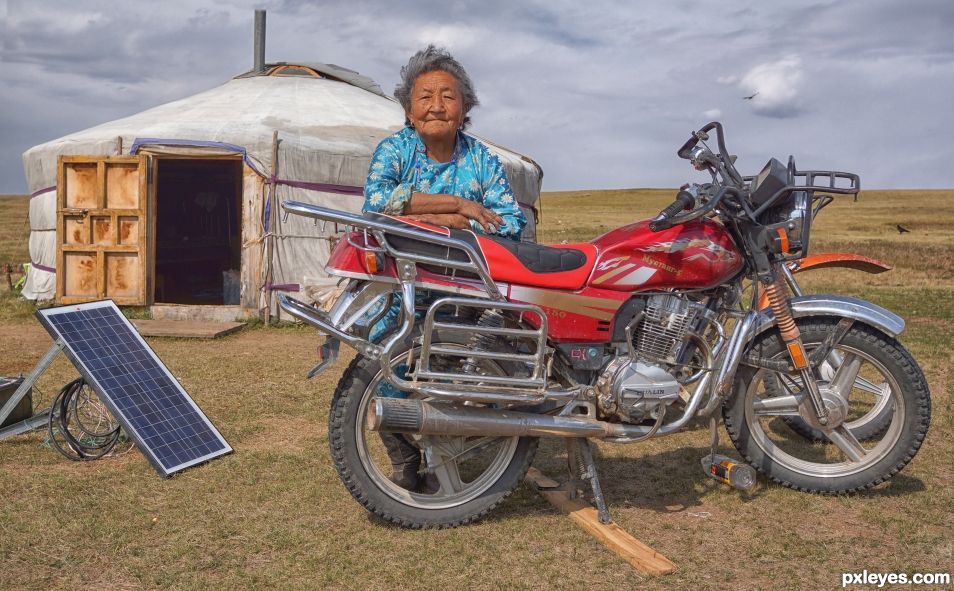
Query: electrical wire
x=81, y=440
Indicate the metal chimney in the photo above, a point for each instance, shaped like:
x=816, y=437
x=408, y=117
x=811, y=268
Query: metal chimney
x=259, y=56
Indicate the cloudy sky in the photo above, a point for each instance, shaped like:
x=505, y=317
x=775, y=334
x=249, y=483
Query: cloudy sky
x=599, y=92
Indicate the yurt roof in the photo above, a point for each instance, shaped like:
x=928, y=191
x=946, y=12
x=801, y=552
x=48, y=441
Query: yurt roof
x=341, y=112
x=333, y=71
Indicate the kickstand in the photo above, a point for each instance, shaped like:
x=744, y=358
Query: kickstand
x=575, y=448
x=714, y=434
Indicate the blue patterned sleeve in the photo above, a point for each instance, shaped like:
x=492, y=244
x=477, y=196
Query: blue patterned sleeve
x=383, y=191
x=498, y=196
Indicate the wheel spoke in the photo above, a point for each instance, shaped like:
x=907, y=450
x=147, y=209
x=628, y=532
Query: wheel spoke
x=842, y=437
x=445, y=470
x=879, y=390
x=441, y=455
x=777, y=406
x=844, y=379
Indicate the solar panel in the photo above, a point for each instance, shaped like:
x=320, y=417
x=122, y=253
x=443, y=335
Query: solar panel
x=150, y=404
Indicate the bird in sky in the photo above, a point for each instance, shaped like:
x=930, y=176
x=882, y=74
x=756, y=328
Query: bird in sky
x=901, y=229
x=750, y=97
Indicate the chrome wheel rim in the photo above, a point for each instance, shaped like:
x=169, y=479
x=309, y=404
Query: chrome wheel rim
x=464, y=467
x=848, y=455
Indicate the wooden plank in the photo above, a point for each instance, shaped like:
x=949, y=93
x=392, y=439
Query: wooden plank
x=60, y=264
x=637, y=554
x=193, y=329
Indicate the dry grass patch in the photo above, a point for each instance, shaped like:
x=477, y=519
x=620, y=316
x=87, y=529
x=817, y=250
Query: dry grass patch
x=14, y=229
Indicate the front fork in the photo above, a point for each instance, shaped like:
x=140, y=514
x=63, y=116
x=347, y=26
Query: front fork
x=781, y=306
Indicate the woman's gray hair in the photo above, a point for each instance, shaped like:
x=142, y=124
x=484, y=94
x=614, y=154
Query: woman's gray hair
x=431, y=59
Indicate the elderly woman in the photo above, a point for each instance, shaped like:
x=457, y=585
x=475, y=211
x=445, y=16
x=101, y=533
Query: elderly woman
x=433, y=172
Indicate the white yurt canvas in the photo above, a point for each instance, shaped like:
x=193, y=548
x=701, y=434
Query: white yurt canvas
x=209, y=181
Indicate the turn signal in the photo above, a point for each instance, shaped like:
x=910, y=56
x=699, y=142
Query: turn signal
x=372, y=263
x=783, y=241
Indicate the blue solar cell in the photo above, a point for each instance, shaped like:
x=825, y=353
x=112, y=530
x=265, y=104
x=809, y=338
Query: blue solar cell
x=150, y=404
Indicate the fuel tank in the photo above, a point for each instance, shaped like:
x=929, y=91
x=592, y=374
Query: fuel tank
x=696, y=255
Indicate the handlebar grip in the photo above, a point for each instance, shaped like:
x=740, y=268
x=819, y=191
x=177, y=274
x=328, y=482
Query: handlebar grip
x=661, y=222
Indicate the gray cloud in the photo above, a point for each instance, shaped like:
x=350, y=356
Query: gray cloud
x=600, y=93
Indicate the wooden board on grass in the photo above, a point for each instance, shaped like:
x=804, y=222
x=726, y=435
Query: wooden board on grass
x=637, y=554
x=194, y=329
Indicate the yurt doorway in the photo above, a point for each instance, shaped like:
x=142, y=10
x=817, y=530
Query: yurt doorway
x=198, y=230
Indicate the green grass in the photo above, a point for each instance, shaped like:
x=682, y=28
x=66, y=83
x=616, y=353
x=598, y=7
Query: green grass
x=275, y=515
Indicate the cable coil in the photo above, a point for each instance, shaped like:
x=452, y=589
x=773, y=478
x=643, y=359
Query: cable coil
x=81, y=441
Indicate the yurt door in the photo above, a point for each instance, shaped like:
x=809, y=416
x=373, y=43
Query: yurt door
x=101, y=229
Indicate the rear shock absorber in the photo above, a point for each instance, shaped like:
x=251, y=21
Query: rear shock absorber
x=481, y=341
x=781, y=307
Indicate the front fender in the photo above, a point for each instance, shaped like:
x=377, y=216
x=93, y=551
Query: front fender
x=839, y=307
x=845, y=260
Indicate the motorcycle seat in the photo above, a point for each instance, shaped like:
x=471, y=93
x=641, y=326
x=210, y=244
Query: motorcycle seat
x=564, y=266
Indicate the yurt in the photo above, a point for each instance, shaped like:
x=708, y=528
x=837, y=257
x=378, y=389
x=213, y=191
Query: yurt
x=180, y=204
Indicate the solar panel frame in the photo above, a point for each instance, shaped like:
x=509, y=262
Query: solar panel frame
x=107, y=381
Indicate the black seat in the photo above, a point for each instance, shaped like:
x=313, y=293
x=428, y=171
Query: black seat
x=541, y=258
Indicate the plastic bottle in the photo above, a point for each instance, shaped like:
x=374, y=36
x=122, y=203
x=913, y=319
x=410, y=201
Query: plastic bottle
x=728, y=471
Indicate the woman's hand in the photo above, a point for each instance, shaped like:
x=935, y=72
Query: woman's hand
x=472, y=210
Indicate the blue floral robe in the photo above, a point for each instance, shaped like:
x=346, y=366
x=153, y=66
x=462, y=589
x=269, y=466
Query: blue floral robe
x=400, y=167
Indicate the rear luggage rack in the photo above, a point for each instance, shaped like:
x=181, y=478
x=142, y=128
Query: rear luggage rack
x=474, y=264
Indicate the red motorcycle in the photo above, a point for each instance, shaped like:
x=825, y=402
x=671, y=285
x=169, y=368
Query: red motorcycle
x=627, y=337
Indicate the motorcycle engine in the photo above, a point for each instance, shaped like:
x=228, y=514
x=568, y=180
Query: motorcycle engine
x=635, y=388
x=634, y=391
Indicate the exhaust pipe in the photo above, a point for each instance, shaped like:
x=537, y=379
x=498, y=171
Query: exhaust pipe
x=399, y=415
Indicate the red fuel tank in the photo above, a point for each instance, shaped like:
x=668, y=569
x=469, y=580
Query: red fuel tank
x=696, y=255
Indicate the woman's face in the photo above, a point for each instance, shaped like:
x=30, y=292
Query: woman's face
x=437, y=109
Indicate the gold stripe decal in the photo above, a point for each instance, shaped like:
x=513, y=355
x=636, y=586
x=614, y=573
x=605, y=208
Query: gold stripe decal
x=599, y=308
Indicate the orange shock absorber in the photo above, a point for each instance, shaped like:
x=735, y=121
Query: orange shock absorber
x=778, y=300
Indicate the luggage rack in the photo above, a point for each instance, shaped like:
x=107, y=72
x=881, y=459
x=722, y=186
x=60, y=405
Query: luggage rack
x=339, y=323
x=809, y=182
x=379, y=230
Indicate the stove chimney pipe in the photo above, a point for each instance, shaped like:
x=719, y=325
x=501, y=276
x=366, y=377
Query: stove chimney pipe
x=259, y=63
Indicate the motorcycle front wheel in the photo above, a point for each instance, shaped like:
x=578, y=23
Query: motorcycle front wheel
x=764, y=403
x=463, y=477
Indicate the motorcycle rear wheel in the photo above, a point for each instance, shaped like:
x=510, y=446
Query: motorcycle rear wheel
x=755, y=416
x=474, y=474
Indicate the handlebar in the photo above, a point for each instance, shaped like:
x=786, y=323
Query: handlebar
x=720, y=162
x=702, y=134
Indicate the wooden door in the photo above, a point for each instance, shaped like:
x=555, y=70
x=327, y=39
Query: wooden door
x=102, y=229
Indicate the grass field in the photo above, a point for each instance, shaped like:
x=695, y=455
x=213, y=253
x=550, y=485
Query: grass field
x=275, y=515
